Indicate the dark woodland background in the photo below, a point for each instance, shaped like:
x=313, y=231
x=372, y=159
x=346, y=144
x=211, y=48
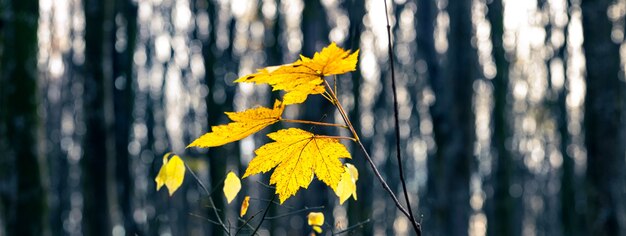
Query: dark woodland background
x=512, y=113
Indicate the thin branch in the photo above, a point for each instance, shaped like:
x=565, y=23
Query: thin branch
x=346, y=230
x=313, y=123
x=367, y=155
x=210, y=198
x=275, y=202
x=416, y=226
x=204, y=218
x=246, y=222
x=335, y=137
x=264, y=214
x=294, y=212
x=341, y=110
x=265, y=185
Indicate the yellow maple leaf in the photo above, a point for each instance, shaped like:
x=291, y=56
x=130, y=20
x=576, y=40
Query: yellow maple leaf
x=244, y=206
x=305, y=76
x=316, y=220
x=171, y=173
x=347, y=184
x=232, y=185
x=245, y=123
x=297, y=156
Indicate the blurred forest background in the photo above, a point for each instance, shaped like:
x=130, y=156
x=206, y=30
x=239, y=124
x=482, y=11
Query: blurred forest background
x=512, y=113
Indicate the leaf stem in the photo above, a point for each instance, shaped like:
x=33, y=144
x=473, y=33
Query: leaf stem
x=341, y=110
x=335, y=137
x=313, y=123
x=416, y=226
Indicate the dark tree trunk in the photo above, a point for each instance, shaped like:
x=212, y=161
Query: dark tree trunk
x=315, y=30
x=453, y=126
x=502, y=219
x=22, y=190
x=123, y=99
x=571, y=218
x=97, y=144
x=603, y=116
x=360, y=210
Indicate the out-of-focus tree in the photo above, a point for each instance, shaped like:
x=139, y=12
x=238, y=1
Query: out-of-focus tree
x=22, y=193
x=502, y=217
x=98, y=143
x=603, y=122
x=361, y=210
x=453, y=126
x=123, y=99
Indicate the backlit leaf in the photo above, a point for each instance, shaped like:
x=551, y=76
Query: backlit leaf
x=316, y=220
x=305, y=76
x=244, y=124
x=232, y=185
x=297, y=156
x=244, y=206
x=347, y=184
x=171, y=173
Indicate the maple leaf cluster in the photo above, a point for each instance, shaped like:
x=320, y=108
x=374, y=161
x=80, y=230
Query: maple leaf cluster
x=295, y=155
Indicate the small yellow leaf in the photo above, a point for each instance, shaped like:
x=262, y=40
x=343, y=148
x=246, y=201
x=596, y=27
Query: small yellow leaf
x=347, y=185
x=317, y=229
x=171, y=173
x=232, y=185
x=244, y=206
x=245, y=123
x=305, y=76
x=297, y=156
x=316, y=219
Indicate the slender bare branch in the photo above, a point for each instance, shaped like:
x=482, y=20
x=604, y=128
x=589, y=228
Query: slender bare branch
x=313, y=123
x=210, y=198
x=416, y=226
x=382, y=181
x=346, y=230
x=264, y=214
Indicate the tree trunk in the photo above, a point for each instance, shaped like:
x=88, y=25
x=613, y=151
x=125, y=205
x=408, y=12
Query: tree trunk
x=603, y=117
x=22, y=193
x=123, y=99
x=502, y=218
x=453, y=126
x=360, y=210
x=97, y=144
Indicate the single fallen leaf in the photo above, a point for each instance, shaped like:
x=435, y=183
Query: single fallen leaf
x=296, y=156
x=316, y=220
x=244, y=124
x=347, y=184
x=305, y=76
x=232, y=185
x=244, y=206
x=171, y=174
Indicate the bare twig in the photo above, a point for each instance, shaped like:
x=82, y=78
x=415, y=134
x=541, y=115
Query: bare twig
x=294, y=212
x=246, y=222
x=264, y=214
x=382, y=181
x=346, y=230
x=313, y=123
x=335, y=137
x=210, y=199
x=416, y=226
